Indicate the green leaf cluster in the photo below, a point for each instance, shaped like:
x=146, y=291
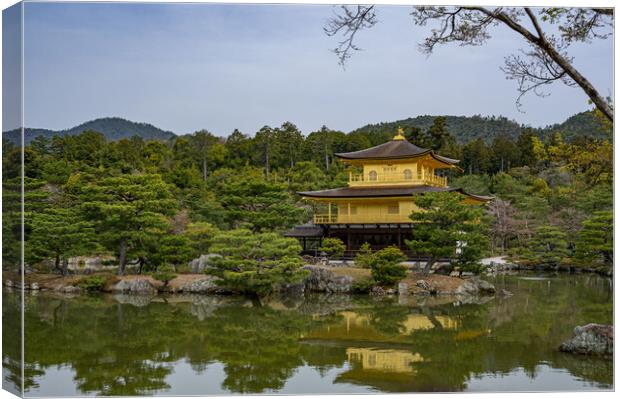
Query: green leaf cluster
x=385, y=266
x=255, y=263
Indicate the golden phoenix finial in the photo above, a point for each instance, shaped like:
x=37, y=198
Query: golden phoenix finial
x=399, y=134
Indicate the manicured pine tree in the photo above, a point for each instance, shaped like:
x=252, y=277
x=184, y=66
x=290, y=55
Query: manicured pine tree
x=58, y=234
x=548, y=246
x=596, y=238
x=128, y=210
x=385, y=266
x=248, y=197
x=333, y=247
x=444, y=222
x=255, y=263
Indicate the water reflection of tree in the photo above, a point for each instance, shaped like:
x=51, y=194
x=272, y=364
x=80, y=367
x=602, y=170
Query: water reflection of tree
x=123, y=349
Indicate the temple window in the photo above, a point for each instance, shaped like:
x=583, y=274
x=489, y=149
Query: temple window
x=372, y=175
x=393, y=209
x=407, y=173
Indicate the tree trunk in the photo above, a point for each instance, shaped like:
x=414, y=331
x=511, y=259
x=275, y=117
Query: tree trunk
x=57, y=264
x=122, y=257
x=204, y=168
x=65, y=266
x=267, y=160
x=427, y=268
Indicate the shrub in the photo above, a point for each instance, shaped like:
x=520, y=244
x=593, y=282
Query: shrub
x=92, y=283
x=385, y=266
x=548, y=246
x=363, y=286
x=333, y=247
x=164, y=274
x=255, y=263
x=363, y=256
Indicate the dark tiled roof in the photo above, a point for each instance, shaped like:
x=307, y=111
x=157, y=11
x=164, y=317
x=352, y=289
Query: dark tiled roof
x=394, y=149
x=305, y=230
x=348, y=192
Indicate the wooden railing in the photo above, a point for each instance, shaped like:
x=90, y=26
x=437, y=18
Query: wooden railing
x=360, y=219
x=397, y=178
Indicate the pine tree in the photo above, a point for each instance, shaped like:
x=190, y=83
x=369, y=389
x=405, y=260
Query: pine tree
x=596, y=238
x=129, y=211
x=58, y=234
x=443, y=223
x=548, y=246
x=255, y=263
x=385, y=266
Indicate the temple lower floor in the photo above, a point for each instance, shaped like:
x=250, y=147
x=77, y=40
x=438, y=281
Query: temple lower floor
x=379, y=236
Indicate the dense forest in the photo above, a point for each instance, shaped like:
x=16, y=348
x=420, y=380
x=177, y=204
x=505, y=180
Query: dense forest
x=159, y=202
x=463, y=128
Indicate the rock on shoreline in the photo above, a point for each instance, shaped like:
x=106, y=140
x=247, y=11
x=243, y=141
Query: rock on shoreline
x=591, y=339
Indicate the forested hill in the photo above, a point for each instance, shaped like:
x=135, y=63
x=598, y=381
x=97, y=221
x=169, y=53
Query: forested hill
x=468, y=128
x=463, y=128
x=112, y=129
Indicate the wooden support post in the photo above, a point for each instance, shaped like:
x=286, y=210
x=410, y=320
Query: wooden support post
x=329, y=212
x=348, y=238
x=349, y=212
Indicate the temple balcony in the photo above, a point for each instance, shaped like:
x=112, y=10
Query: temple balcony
x=392, y=179
x=360, y=219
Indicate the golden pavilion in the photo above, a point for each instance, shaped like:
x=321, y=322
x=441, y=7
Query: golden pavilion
x=376, y=205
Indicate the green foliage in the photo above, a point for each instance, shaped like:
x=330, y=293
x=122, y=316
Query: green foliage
x=93, y=283
x=473, y=184
x=385, y=266
x=173, y=249
x=200, y=235
x=445, y=222
x=129, y=211
x=333, y=247
x=255, y=263
x=596, y=238
x=363, y=256
x=555, y=176
x=60, y=233
x=548, y=246
x=248, y=197
x=165, y=274
x=363, y=286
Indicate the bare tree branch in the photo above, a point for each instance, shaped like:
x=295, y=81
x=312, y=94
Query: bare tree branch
x=349, y=23
x=545, y=63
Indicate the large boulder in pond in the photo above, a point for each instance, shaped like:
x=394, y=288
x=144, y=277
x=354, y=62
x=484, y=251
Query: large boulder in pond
x=591, y=339
x=322, y=279
x=134, y=286
x=475, y=286
x=203, y=285
x=199, y=264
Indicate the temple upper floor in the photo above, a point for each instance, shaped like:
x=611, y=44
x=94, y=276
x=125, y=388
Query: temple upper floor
x=396, y=163
x=421, y=172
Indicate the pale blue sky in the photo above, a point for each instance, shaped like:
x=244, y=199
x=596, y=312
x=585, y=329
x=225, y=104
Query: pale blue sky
x=184, y=67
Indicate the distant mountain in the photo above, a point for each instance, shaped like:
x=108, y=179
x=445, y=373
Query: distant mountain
x=111, y=128
x=467, y=128
x=464, y=128
x=581, y=124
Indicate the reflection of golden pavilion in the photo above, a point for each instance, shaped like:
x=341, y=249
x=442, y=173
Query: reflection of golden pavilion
x=388, y=360
x=413, y=322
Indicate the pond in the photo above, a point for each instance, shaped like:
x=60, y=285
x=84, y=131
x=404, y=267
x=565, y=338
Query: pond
x=202, y=345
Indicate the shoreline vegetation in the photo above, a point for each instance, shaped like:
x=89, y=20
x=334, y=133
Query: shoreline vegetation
x=151, y=207
x=334, y=278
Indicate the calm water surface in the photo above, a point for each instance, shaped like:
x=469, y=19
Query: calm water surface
x=197, y=345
